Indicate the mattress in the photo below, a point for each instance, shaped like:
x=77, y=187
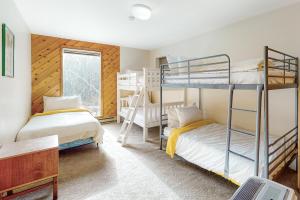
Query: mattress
x=239, y=74
x=206, y=147
x=69, y=127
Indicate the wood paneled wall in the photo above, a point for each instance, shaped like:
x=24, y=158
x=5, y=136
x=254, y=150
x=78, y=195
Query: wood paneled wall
x=46, y=58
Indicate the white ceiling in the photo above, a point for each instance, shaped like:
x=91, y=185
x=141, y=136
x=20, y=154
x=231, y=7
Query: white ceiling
x=106, y=21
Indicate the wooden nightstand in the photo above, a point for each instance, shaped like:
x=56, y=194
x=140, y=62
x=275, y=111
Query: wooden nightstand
x=28, y=162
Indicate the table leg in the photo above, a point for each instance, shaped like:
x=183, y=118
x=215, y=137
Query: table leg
x=55, y=188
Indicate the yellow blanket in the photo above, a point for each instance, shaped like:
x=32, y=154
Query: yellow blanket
x=51, y=112
x=176, y=132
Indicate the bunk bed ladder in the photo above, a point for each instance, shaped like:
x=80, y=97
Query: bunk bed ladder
x=256, y=135
x=130, y=115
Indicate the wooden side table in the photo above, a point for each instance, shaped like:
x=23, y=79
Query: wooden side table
x=28, y=162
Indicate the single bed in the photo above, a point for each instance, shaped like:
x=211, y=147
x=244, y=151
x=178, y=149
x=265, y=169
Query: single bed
x=206, y=147
x=64, y=116
x=69, y=126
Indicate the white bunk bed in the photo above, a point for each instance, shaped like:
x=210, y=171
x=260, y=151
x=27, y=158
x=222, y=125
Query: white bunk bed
x=148, y=114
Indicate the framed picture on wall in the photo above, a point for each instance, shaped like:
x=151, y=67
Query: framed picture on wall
x=8, y=48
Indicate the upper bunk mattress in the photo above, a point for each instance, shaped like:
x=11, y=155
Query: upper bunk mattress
x=206, y=147
x=69, y=127
x=245, y=77
x=247, y=72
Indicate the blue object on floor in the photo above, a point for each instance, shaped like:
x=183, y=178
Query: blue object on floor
x=76, y=143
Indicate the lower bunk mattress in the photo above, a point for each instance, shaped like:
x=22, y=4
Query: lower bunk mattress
x=153, y=117
x=206, y=147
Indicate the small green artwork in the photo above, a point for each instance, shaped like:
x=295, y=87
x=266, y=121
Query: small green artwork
x=8, y=48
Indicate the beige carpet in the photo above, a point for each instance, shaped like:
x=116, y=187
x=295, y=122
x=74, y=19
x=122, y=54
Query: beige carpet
x=139, y=171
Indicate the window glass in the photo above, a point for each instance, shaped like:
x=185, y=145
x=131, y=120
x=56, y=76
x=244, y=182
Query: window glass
x=81, y=76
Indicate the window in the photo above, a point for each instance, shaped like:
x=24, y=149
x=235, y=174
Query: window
x=81, y=77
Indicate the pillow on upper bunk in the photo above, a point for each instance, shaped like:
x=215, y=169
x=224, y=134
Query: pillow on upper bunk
x=251, y=64
x=173, y=121
x=188, y=115
x=58, y=103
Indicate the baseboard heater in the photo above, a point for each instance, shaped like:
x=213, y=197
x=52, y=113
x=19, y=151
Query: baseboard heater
x=107, y=119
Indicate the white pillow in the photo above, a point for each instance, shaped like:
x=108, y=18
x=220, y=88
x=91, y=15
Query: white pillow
x=58, y=103
x=173, y=121
x=188, y=115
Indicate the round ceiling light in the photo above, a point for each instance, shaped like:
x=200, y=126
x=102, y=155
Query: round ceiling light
x=141, y=12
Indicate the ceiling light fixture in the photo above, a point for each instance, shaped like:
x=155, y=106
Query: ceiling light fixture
x=141, y=12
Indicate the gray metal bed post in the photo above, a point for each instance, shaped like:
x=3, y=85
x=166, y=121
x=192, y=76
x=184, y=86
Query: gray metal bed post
x=160, y=109
x=266, y=114
x=231, y=89
x=229, y=118
x=258, y=123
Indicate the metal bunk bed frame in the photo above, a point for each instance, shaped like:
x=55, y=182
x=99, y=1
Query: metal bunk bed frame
x=289, y=140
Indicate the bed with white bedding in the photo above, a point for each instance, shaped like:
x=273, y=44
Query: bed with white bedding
x=206, y=147
x=64, y=117
x=69, y=126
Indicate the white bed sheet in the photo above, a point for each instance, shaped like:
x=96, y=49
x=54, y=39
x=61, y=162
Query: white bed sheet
x=237, y=76
x=206, y=147
x=69, y=126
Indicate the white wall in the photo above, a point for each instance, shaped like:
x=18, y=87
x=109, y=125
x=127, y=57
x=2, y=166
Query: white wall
x=15, y=93
x=245, y=40
x=131, y=58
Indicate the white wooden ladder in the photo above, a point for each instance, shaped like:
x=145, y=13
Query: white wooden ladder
x=130, y=115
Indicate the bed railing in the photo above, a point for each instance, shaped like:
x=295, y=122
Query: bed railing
x=188, y=73
x=284, y=63
x=282, y=150
x=151, y=78
x=194, y=73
